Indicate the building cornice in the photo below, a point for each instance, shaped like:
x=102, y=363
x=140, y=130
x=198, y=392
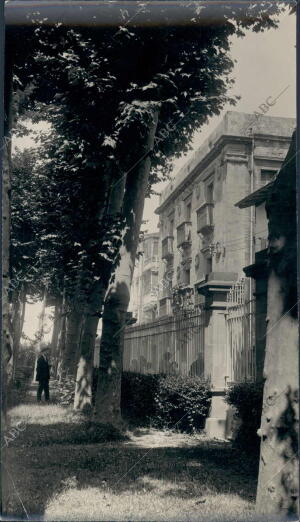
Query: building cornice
x=263, y=157
x=214, y=152
x=202, y=165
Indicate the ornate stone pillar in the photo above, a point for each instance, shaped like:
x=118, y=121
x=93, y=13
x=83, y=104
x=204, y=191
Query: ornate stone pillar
x=215, y=290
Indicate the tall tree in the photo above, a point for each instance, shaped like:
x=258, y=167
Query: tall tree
x=7, y=342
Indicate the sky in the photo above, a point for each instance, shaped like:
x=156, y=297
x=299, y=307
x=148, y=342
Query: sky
x=265, y=66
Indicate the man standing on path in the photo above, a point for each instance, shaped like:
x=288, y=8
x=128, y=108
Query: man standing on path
x=43, y=375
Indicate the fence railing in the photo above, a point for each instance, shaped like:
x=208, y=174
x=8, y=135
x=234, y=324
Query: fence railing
x=170, y=345
x=240, y=345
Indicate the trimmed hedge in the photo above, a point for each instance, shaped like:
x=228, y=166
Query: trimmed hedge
x=172, y=402
x=177, y=402
x=138, y=397
x=182, y=403
x=247, y=398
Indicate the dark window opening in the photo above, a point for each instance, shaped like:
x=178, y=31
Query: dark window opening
x=188, y=211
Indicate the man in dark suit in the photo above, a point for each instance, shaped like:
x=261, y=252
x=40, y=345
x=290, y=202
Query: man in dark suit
x=43, y=375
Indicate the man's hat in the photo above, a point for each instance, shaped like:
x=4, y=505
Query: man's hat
x=45, y=349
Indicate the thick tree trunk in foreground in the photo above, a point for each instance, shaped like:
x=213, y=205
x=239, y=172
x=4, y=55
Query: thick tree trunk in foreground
x=278, y=488
x=108, y=395
x=73, y=332
x=278, y=472
x=84, y=376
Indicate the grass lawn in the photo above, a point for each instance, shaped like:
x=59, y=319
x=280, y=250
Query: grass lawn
x=61, y=469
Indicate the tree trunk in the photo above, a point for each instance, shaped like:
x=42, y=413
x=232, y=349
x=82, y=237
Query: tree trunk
x=56, y=333
x=278, y=487
x=18, y=314
x=73, y=334
x=108, y=395
x=62, y=337
x=84, y=376
x=22, y=318
x=7, y=341
x=277, y=490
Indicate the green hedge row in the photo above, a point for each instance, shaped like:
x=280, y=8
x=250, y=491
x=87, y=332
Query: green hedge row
x=173, y=402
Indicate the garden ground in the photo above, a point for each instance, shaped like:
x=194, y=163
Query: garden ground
x=60, y=468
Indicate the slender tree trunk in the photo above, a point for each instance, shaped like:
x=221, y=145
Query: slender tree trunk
x=7, y=341
x=22, y=318
x=56, y=333
x=62, y=336
x=18, y=312
x=74, y=321
x=108, y=395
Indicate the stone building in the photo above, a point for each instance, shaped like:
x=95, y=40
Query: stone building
x=203, y=235
x=206, y=241
x=143, y=298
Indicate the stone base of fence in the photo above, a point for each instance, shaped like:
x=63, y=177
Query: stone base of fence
x=217, y=425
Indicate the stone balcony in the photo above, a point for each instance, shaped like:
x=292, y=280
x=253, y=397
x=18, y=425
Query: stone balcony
x=167, y=248
x=205, y=219
x=184, y=236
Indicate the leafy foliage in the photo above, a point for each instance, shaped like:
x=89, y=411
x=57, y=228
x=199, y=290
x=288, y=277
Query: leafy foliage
x=63, y=391
x=247, y=398
x=137, y=397
x=182, y=403
x=25, y=219
x=173, y=402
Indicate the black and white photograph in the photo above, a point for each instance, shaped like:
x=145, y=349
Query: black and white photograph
x=150, y=335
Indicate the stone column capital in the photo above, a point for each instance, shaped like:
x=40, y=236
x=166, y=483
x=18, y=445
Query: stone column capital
x=215, y=289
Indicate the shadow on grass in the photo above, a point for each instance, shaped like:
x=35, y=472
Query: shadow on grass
x=47, y=460
x=52, y=457
x=67, y=433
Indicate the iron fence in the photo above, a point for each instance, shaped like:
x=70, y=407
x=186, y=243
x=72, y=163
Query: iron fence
x=240, y=343
x=169, y=345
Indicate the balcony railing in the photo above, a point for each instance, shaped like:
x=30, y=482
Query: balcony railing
x=166, y=290
x=205, y=219
x=165, y=306
x=184, y=236
x=167, y=248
